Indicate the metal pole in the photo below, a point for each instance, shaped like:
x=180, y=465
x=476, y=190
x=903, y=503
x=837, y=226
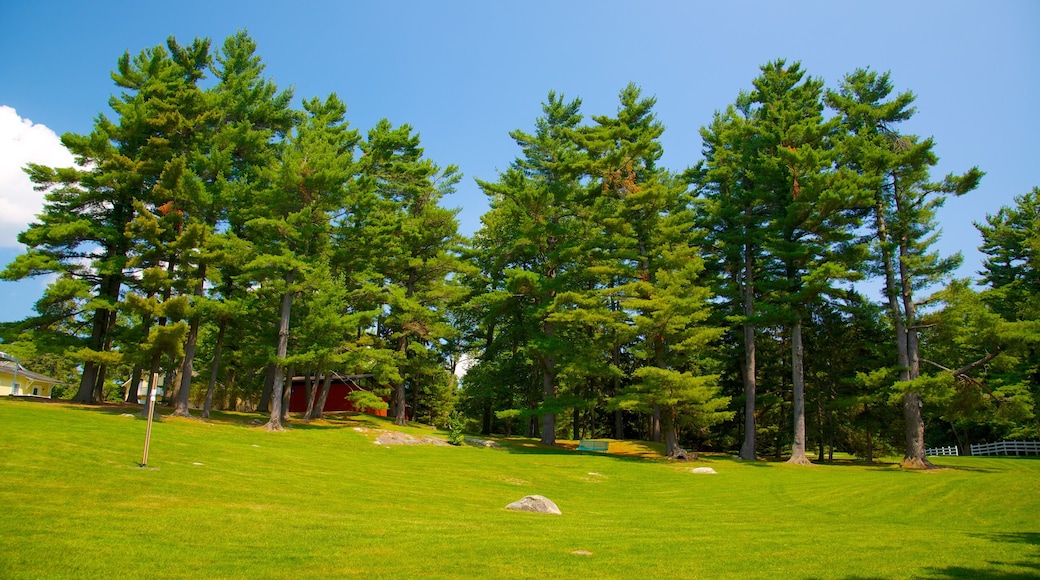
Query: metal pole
x=151, y=412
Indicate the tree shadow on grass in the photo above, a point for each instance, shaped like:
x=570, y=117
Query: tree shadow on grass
x=1028, y=568
x=1019, y=570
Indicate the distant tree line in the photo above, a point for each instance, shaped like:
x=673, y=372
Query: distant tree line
x=213, y=235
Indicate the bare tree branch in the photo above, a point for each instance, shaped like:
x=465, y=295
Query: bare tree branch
x=963, y=371
x=936, y=365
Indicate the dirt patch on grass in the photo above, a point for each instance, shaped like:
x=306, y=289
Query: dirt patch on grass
x=384, y=437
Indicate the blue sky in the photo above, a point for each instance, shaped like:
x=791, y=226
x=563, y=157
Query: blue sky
x=465, y=73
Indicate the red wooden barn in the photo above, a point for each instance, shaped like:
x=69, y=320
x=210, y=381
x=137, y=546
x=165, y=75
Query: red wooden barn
x=339, y=389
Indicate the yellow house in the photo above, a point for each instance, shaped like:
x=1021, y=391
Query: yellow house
x=17, y=381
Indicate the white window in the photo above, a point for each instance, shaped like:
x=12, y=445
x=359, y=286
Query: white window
x=36, y=391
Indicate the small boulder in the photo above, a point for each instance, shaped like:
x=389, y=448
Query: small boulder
x=535, y=503
x=707, y=470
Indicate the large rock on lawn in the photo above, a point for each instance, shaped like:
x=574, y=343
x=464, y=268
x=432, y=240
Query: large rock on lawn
x=477, y=442
x=535, y=503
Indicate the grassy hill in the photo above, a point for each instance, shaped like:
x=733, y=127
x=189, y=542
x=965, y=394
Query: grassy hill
x=226, y=499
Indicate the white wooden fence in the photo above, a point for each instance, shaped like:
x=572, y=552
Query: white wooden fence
x=999, y=448
x=934, y=451
x=1007, y=448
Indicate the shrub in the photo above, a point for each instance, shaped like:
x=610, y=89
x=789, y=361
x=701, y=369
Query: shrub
x=455, y=425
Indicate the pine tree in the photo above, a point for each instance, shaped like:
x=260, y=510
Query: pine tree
x=1011, y=242
x=499, y=385
x=895, y=168
x=245, y=114
x=292, y=228
x=89, y=207
x=648, y=270
x=418, y=242
x=734, y=220
x=815, y=210
x=541, y=194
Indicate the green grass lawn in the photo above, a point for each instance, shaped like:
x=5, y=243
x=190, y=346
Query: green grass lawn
x=226, y=499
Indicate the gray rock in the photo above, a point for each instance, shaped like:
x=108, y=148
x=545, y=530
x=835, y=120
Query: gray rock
x=398, y=438
x=707, y=470
x=535, y=503
x=482, y=442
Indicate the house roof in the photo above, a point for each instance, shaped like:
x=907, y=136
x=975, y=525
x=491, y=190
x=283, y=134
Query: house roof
x=7, y=367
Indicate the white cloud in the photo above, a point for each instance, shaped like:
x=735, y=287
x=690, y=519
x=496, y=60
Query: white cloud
x=23, y=142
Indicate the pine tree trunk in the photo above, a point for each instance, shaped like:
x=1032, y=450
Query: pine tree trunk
x=671, y=441
x=485, y=417
x=115, y=281
x=278, y=386
x=798, y=380
x=323, y=396
x=102, y=371
x=290, y=375
x=99, y=383
x=103, y=320
x=892, y=290
x=548, y=390
x=912, y=404
x=619, y=419
x=655, y=424
x=401, y=407
x=171, y=380
x=830, y=436
x=264, y=406
x=488, y=406
x=912, y=417
x=135, y=385
x=89, y=377
x=310, y=383
x=821, y=432
x=214, y=368
x=747, y=449
x=915, y=456
x=85, y=394
x=231, y=380
x=182, y=404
